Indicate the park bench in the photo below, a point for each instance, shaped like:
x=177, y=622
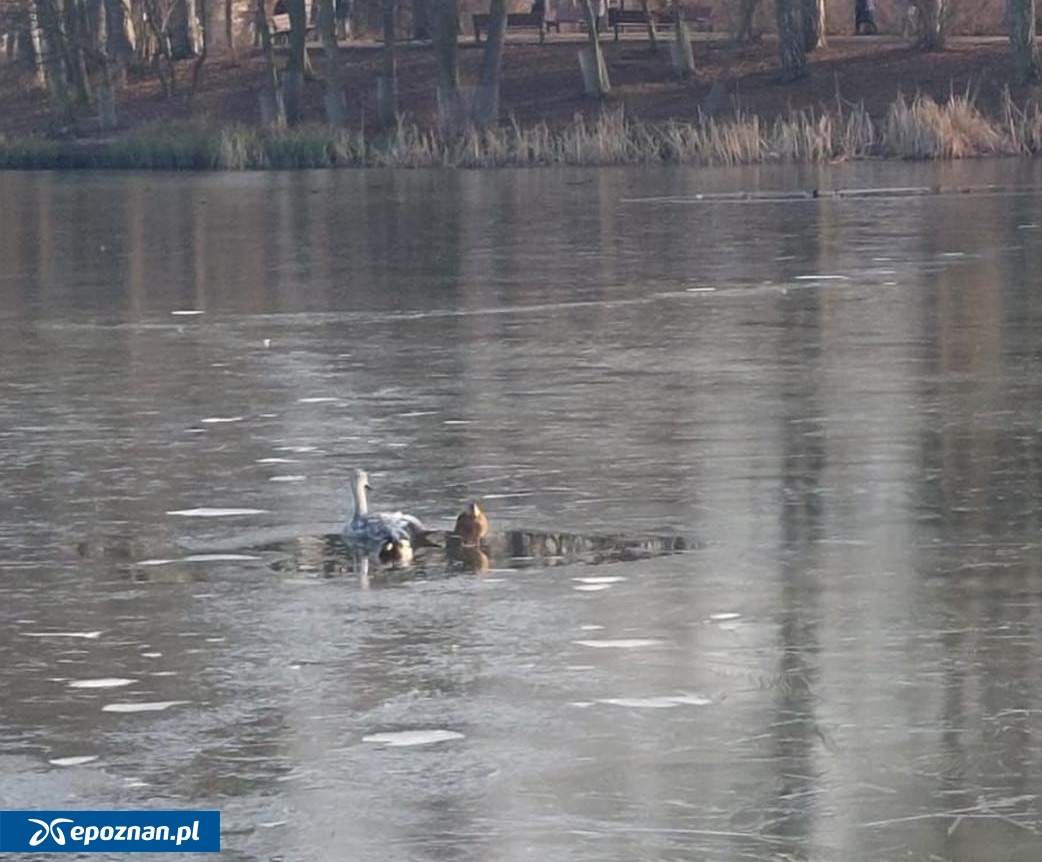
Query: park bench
x=516, y=21
x=279, y=28
x=698, y=15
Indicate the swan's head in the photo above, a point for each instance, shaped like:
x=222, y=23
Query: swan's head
x=362, y=480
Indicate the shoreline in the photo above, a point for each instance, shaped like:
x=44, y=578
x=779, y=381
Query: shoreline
x=864, y=98
x=913, y=129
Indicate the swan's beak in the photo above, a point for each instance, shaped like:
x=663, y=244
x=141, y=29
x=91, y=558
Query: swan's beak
x=367, y=486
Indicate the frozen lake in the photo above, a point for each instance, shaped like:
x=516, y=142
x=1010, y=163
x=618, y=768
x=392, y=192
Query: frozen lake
x=834, y=403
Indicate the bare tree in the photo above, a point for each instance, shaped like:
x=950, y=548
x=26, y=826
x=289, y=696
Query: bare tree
x=201, y=48
x=652, y=36
x=445, y=14
x=790, y=39
x=595, y=71
x=486, y=101
x=744, y=33
x=933, y=24
x=813, y=24
x=683, y=58
x=387, y=84
x=421, y=20
x=1022, y=38
x=333, y=98
x=296, y=65
x=229, y=30
x=273, y=107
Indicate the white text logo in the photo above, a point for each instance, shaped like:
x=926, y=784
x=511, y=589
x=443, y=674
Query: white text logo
x=48, y=829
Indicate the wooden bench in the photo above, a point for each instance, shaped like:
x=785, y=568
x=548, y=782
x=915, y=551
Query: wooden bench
x=279, y=28
x=516, y=21
x=700, y=16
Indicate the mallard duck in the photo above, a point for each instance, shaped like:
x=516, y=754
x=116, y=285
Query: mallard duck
x=471, y=526
x=394, y=534
x=398, y=552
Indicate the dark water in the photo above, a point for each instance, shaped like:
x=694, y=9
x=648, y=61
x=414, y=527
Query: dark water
x=835, y=401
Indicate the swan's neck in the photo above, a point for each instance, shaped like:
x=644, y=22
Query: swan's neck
x=361, y=502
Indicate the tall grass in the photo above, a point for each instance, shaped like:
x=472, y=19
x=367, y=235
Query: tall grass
x=915, y=128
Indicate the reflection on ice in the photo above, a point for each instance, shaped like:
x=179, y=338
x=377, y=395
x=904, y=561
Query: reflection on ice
x=506, y=549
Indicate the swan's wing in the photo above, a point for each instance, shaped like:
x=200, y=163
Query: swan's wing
x=397, y=526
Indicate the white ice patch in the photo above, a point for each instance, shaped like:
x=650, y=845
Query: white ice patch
x=591, y=588
x=822, y=278
x=289, y=478
x=276, y=461
x=663, y=702
x=90, y=636
x=724, y=615
x=104, y=682
x=295, y=448
x=151, y=655
x=144, y=706
x=412, y=737
x=620, y=643
x=591, y=628
x=582, y=704
x=217, y=558
x=187, y=312
x=607, y=579
x=78, y=760
x=221, y=420
x=209, y=512
x=199, y=558
x=317, y=399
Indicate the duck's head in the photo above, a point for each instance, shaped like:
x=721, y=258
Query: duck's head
x=397, y=551
x=474, y=510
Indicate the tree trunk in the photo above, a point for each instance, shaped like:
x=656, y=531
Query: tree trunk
x=296, y=65
x=595, y=71
x=106, y=97
x=118, y=44
x=683, y=58
x=446, y=36
x=933, y=22
x=421, y=20
x=387, y=83
x=1022, y=39
x=790, y=39
x=273, y=108
x=74, y=49
x=342, y=9
x=813, y=24
x=333, y=98
x=203, y=42
x=652, y=38
x=229, y=30
x=486, y=102
x=744, y=34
